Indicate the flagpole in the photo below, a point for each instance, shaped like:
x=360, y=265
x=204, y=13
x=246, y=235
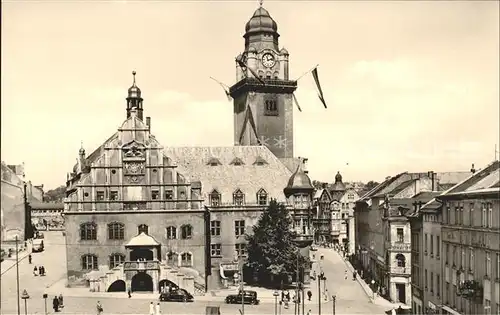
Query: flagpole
x=218, y=81
x=307, y=72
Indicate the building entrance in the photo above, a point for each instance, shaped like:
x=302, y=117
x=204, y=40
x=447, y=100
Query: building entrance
x=142, y=282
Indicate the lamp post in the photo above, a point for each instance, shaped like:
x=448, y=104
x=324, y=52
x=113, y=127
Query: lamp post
x=276, y=294
x=302, y=241
x=17, y=275
x=320, y=277
x=45, y=300
x=334, y=299
x=25, y=296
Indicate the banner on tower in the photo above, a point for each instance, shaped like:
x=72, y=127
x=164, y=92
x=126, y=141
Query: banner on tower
x=224, y=87
x=320, y=91
x=296, y=102
x=249, y=119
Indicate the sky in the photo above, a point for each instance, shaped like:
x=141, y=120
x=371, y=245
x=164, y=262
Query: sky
x=410, y=86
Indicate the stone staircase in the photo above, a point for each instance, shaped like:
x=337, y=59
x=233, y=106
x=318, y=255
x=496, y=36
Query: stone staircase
x=184, y=277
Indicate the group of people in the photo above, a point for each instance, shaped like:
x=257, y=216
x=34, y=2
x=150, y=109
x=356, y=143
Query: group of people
x=57, y=303
x=154, y=309
x=39, y=271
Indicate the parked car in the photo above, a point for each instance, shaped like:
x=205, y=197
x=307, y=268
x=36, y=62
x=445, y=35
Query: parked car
x=177, y=295
x=2, y=254
x=249, y=297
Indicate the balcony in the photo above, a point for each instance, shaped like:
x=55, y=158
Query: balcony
x=400, y=270
x=271, y=85
x=398, y=247
x=141, y=265
x=470, y=289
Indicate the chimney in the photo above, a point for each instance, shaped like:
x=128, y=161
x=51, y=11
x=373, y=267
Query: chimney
x=148, y=122
x=473, y=169
x=431, y=176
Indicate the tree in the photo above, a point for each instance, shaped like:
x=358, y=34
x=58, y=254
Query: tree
x=368, y=186
x=56, y=195
x=272, y=254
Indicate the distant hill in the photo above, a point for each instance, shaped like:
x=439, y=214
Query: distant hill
x=55, y=195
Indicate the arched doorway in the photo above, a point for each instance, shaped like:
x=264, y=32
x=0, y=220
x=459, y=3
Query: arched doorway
x=166, y=283
x=141, y=253
x=117, y=286
x=142, y=282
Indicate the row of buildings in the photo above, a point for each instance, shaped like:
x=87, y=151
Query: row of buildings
x=431, y=240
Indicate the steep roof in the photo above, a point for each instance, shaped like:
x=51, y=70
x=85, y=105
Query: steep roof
x=227, y=178
x=380, y=187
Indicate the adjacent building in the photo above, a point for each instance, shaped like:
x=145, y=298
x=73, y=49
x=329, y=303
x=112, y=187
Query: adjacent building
x=383, y=231
x=141, y=216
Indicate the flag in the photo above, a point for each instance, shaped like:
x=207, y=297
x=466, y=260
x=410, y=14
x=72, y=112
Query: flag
x=244, y=66
x=296, y=102
x=226, y=90
x=249, y=119
x=320, y=91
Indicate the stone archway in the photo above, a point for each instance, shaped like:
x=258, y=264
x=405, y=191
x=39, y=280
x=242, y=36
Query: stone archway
x=142, y=282
x=117, y=286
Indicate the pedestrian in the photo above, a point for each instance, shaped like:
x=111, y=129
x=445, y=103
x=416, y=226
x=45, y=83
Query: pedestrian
x=35, y=271
x=309, y=295
x=55, y=304
x=61, y=301
x=99, y=308
x=345, y=275
x=151, y=309
x=129, y=293
x=29, y=258
x=354, y=275
x=157, y=309
x=309, y=312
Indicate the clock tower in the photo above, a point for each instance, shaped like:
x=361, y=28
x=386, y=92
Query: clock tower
x=263, y=106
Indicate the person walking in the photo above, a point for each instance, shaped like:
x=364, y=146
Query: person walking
x=345, y=275
x=35, y=271
x=55, y=304
x=309, y=312
x=129, y=293
x=151, y=309
x=99, y=308
x=157, y=309
x=29, y=259
x=354, y=276
x=309, y=295
x=61, y=301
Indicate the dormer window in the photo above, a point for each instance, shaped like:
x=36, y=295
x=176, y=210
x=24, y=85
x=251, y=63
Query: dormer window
x=238, y=198
x=260, y=161
x=215, y=198
x=262, y=197
x=237, y=162
x=214, y=162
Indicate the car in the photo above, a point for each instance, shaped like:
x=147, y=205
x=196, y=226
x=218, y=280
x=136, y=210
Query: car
x=249, y=297
x=177, y=295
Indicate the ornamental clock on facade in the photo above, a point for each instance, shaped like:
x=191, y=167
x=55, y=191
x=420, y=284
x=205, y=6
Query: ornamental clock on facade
x=268, y=60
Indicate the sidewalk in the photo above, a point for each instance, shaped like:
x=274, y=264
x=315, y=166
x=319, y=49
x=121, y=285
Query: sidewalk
x=10, y=263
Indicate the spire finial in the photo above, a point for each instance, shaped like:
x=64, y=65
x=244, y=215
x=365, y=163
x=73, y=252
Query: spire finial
x=261, y=2
x=133, y=73
x=81, y=144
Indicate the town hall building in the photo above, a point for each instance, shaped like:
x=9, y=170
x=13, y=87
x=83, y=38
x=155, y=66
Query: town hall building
x=141, y=216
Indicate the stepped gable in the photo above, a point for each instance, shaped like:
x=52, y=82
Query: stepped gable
x=226, y=178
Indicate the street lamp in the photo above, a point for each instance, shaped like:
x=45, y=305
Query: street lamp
x=45, y=298
x=302, y=241
x=276, y=294
x=334, y=299
x=320, y=277
x=25, y=296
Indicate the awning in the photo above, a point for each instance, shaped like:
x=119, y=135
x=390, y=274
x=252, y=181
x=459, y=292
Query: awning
x=450, y=310
x=142, y=240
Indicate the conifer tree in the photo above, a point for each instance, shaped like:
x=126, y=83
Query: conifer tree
x=272, y=253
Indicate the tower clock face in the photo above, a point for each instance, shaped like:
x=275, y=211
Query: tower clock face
x=268, y=60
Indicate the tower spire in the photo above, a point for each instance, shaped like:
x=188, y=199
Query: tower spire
x=133, y=74
x=134, y=99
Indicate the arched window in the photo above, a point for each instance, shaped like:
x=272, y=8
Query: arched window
x=172, y=258
x=171, y=233
x=116, y=260
x=116, y=231
x=88, y=231
x=215, y=198
x=238, y=198
x=401, y=260
x=262, y=197
x=89, y=262
x=186, y=259
x=143, y=228
x=186, y=231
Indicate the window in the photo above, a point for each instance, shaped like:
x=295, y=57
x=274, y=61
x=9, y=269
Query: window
x=400, y=235
x=471, y=214
x=113, y=195
x=169, y=194
x=462, y=259
x=498, y=266
x=237, y=162
x=172, y=258
x=432, y=282
x=216, y=250
x=116, y=260
x=171, y=233
x=262, y=197
x=448, y=215
x=238, y=198
x=186, y=232
x=490, y=215
x=471, y=259
x=271, y=108
x=155, y=194
x=241, y=249
x=453, y=256
x=215, y=228
x=100, y=195
x=488, y=264
x=116, y=231
x=431, y=246
x=401, y=260
x=88, y=232
x=457, y=215
x=215, y=198
x=214, y=162
x=89, y=262
x=426, y=245
x=143, y=228
x=426, y=281
x=186, y=259
x=461, y=215
x=239, y=228
x=446, y=253
x=438, y=246
x=484, y=222
x=487, y=307
x=438, y=285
